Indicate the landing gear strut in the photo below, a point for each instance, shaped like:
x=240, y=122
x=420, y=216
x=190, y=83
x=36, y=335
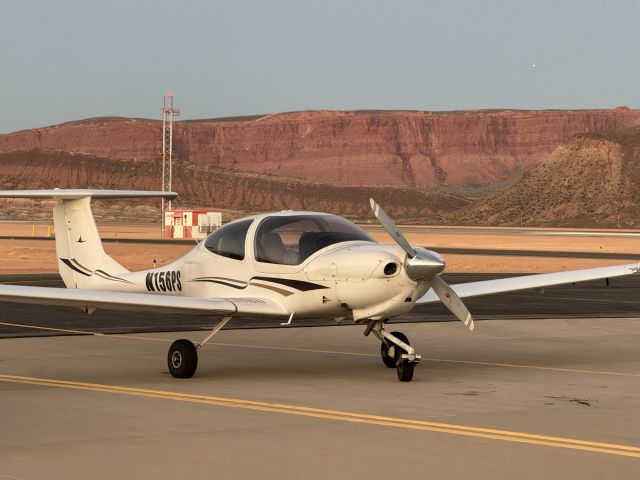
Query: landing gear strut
x=182, y=358
x=395, y=350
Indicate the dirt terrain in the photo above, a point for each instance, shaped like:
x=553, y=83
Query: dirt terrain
x=200, y=186
x=24, y=256
x=462, y=149
x=593, y=179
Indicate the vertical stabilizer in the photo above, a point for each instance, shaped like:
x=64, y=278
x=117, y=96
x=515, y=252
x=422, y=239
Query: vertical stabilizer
x=78, y=245
x=82, y=261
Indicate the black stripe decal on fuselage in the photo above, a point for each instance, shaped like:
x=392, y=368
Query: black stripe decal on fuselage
x=68, y=263
x=76, y=266
x=236, y=283
x=79, y=265
x=296, y=284
x=108, y=276
x=220, y=282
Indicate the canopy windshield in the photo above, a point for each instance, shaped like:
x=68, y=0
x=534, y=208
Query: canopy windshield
x=290, y=240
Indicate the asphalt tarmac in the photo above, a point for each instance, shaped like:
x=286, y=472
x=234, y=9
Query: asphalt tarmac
x=431, y=229
x=516, y=231
x=553, y=399
x=589, y=299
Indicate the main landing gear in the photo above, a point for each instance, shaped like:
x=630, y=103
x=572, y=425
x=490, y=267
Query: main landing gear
x=182, y=358
x=395, y=350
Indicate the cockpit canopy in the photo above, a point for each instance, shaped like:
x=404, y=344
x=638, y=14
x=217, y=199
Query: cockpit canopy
x=291, y=239
x=284, y=239
x=229, y=240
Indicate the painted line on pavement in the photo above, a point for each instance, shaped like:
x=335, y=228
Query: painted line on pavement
x=343, y=416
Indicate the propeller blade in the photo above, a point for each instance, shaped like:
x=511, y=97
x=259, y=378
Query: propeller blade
x=446, y=294
x=391, y=228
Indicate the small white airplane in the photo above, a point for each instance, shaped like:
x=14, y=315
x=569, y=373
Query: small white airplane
x=284, y=264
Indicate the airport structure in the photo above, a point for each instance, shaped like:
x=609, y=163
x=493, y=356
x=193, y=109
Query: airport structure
x=191, y=223
x=169, y=112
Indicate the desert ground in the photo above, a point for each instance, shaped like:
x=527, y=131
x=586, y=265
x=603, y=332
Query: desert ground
x=38, y=256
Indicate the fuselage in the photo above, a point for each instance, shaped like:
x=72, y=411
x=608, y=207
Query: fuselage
x=313, y=264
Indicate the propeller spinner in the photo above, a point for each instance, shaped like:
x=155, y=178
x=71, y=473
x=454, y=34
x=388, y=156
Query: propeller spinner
x=424, y=265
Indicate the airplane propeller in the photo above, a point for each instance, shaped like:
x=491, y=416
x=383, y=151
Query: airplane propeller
x=424, y=265
x=452, y=301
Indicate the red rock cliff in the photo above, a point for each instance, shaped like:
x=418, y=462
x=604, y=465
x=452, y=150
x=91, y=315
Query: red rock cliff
x=417, y=149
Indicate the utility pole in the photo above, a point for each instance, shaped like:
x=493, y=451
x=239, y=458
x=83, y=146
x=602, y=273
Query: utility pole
x=168, y=114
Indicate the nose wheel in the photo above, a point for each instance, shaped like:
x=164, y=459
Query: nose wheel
x=395, y=351
x=389, y=352
x=392, y=357
x=404, y=368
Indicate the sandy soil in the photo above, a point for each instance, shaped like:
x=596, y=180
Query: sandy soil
x=433, y=239
x=39, y=256
x=436, y=239
x=23, y=256
x=106, y=231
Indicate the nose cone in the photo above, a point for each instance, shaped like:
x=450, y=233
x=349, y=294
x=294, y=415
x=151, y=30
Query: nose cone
x=354, y=263
x=425, y=265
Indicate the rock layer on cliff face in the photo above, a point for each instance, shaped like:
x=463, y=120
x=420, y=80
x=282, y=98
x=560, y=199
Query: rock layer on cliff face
x=213, y=187
x=371, y=148
x=592, y=180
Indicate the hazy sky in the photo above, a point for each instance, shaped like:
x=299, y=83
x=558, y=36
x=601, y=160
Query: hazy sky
x=68, y=59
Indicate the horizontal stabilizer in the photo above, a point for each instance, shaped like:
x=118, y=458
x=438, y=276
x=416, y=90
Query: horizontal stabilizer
x=72, y=194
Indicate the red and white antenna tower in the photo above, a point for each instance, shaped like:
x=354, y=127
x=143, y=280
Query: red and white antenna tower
x=169, y=112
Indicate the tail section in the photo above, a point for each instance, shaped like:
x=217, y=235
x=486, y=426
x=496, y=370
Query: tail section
x=78, y=245
x=82, y=261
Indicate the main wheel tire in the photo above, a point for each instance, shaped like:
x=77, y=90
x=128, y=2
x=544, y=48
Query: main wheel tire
x=182, y=359
x=405, y=370
x=390, y=352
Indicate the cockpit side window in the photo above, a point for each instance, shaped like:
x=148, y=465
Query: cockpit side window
x=229, y=240
x=290, y=240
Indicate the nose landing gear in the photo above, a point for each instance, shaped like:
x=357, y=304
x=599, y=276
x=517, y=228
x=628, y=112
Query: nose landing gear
x=395, y=350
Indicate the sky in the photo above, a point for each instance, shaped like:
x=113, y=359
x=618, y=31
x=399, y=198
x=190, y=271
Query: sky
x=63, y=60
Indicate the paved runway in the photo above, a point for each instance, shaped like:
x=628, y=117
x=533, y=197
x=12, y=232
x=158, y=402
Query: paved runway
x=552, y=399
x=431, y=229
x=590, y=299
x=442, y=250
x=517, y=231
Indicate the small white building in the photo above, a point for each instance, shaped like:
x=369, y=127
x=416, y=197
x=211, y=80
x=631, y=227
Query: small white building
x=191, y=223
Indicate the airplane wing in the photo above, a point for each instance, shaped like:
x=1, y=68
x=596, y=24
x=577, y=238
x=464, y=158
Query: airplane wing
x=90, y=300
x=512, y=284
